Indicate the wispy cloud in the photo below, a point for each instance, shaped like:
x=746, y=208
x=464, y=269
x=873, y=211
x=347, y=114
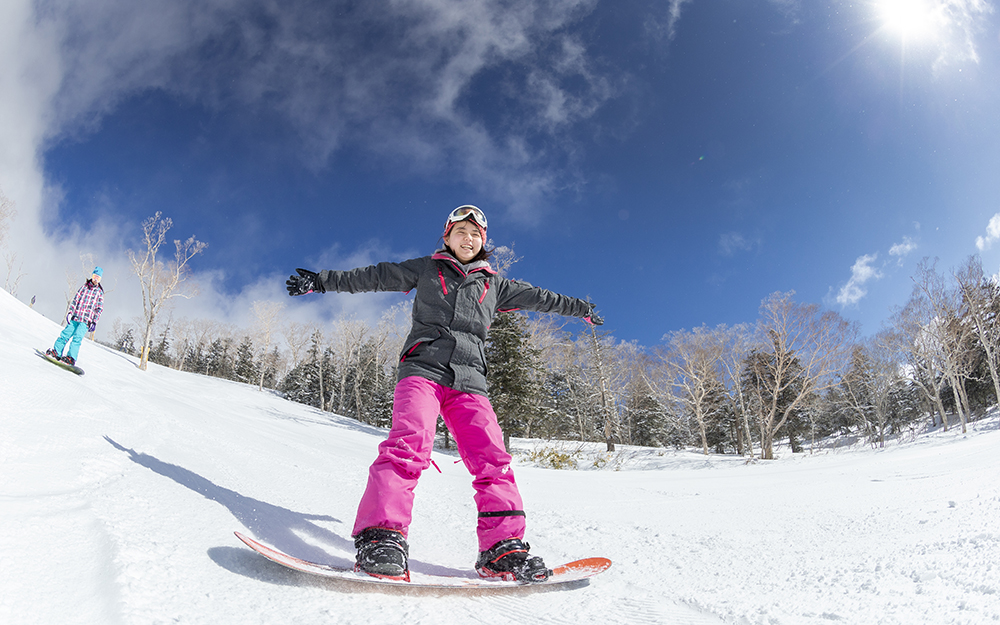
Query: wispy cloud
x=962, y=21
x=674, y=16
x=862, y=272
x=902, y=249
x=417, y=97
x=732, y=243
x=992, y=234
x=663, y=27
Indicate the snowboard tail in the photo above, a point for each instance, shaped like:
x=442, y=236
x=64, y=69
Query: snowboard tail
x=569, y=572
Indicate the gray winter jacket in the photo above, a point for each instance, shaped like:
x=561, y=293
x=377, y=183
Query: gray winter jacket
x=452, y=312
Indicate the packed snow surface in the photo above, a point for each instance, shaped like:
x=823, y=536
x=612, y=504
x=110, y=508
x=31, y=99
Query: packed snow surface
x=120, y=492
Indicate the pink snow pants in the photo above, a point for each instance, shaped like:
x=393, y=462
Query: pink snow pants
x=417, y=402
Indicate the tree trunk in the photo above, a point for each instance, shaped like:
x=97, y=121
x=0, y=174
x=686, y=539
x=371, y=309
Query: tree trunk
x=146, y=342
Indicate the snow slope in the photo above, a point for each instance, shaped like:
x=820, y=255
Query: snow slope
x=120, y=491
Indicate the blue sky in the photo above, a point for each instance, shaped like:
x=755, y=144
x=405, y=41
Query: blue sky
x=674, y=161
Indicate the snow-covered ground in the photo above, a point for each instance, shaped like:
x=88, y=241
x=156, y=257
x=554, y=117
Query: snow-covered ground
x=120, y=491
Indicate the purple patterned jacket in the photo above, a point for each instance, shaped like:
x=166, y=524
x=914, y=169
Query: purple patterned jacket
x=88, y=304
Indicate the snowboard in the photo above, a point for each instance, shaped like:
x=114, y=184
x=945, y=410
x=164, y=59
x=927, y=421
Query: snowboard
x=569, y=572
x=64, y=365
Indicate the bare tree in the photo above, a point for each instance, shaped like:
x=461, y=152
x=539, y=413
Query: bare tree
x=503, y=259
x=297, y=337
x=348, y=337
x=14, y=272
x=806, y=348
x=946, y=332
x=266, y=314
x=602, y=372
x=8, y=211
x=694, y=360
x=871, y=382
x=160, y=281
x=738, y=341
x=921, y=350
x=981, y=297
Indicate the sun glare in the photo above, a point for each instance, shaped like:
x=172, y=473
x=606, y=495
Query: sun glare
x=910, y=19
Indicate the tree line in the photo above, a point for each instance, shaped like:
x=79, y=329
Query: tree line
x=799, y=373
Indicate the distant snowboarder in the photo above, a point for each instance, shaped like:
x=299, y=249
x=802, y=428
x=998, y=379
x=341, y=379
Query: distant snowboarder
x=84, y=313
x=442, y=371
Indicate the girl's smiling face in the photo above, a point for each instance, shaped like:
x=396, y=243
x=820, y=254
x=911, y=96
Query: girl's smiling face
x=465, y=241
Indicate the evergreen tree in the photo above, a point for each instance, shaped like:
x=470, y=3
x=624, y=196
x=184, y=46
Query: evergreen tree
x=160, y=351
x=560, y=415
x=218, y=360
x=858, y=392
x=270, y=367
x=309, y=382
x=758, y=379
x=645, y=416
x=246, y=368
x=126, y=342
x=195, y=359
x=514, y=368
x=721, y=426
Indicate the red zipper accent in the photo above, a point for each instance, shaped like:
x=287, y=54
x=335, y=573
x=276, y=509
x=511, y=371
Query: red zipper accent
x=486, y=288
x=407, y=354
x=443, y=287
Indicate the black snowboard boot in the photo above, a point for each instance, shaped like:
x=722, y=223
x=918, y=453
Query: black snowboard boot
x=509, y=559
x=382, y=553
x=51, y=353
x=69, y=360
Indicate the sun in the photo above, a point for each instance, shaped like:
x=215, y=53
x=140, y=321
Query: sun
x=913, y=20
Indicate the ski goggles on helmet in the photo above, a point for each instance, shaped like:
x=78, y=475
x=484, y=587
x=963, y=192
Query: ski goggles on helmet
x=467, y=211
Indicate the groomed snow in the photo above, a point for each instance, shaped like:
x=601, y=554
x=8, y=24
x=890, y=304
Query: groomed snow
x=120, y=491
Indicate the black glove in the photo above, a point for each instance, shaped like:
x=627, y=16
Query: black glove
x=92, y=326
x=305, y=282
x=593, y=318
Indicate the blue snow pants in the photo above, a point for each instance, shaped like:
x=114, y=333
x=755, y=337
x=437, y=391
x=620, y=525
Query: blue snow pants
x=72, y=333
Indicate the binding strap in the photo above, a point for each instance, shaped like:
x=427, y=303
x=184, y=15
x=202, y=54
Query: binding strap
x=498, y=513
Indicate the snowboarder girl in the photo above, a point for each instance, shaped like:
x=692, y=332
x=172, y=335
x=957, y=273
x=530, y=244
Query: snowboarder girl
x=82, y=317
x=442, y=370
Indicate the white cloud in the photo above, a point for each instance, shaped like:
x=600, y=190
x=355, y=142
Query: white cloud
x=903, y=249
x=861, y=273
x=410, y=99
x=960, y=22
x=992, y=234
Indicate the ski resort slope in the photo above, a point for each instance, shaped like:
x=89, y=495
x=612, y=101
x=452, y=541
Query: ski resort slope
x=120, y=491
